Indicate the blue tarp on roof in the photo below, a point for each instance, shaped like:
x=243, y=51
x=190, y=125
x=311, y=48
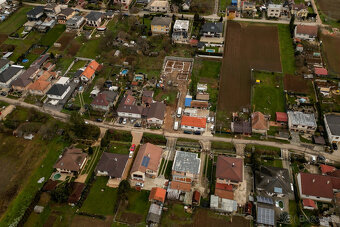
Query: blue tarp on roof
x=188, y=100
x=234, y=2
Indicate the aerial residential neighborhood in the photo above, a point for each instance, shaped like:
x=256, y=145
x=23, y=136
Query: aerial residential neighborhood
x=170, y=113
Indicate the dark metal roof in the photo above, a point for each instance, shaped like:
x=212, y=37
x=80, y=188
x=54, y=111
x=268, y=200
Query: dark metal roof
x=57, y=89
x=8, y=73
x=333, y=121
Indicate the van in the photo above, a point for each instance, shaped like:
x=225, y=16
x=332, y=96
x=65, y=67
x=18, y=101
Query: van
x=176, y=125
x=179, y=112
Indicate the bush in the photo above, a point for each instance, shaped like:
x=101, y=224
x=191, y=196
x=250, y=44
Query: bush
x=154, y=139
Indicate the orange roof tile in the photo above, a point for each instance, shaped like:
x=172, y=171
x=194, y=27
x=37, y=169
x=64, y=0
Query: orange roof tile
x=327, y=168
x=224, y=194
x=180, y=186
x=194, y=121
x=39, y=85
x=157, y=194
x=90, y=69
x=308, y=203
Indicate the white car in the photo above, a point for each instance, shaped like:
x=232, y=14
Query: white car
x=124, y=121
x=86, y=122
x=131, y=154
x=139, y=184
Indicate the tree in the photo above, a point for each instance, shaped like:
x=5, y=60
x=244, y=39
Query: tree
x=221, y=19
x=291, y=25
x=177, y=2
x=123, y=189
x=90, y=151
x=61, y=194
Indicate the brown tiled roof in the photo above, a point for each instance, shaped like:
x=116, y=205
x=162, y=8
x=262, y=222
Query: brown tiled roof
x=40, y=85
x=176, y=185
x=157, y=194
x=259, y=121
x=112, y=163
x=229, y=168
x=71, y=160
x=149, y=152
x=224, y=194
x=199, y=104
x=316, y=185
x=194, y=121
x=156, y=110
x=307, y=29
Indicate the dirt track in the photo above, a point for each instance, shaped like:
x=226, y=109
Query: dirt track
x=247, y=46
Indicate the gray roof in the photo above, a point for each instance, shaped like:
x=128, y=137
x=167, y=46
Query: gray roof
x=299, y=118
x=74, y=20
x=35, y=11
x=57, y=89
x=8, y=73
x=112, y=163
x=333, y=121
x=265, y=215
x=166, y=21
x=67, y=11
x=94, y=16
x=3, y=62
x=186, y=162
x=212, y=27
x=41, y=60
x=155, y=213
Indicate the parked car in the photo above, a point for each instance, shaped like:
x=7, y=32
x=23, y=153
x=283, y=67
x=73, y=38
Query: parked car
x=120, y=120
x=130, y=154
x=124, y=121
x=86, y=122
x=3, y=93
x=133, y=147
x=187, y=132
x=139, y=184
x=137, y=125
x=99, y=120
x=197, y=132
x=334, y=146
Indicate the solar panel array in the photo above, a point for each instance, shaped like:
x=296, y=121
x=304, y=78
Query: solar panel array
x=145, y=161
x=265, y=216
x=266, y=200
x=278, y=190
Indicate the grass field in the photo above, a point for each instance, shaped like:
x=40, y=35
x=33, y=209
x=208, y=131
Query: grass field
x=48, y=153
x=274, y=163
x=176, y=216
x=286, y=49
x=52, y=35
x=119, y=147
x=16, y=20
x=268, y=96
x=89, y=49
x=224, y=4
x=100, y=202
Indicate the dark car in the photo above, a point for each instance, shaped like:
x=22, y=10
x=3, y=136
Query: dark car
x=197, y=133
x=334, y=146
x=137, y=125
x=120, y=120
x=3, y=93
x=99, y=120
x=187, y=132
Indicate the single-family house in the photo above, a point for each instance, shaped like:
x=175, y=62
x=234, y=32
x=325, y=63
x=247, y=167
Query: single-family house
x=306, y=32
x=299, y=10
x=241, y=127
x=161, y=25
x=229, y=176
x=320, y=71
x=301, y=122
x=157, y=195
x=94, y=19
x=104, y=100
x=71, y=161
x=160, y=6
x=35, y=14
x=315, y=187
x=58, y=91
x=128, y=108
x=89, y=73
x=273, y=181
x=65, y=15
x=75, y=22
x=4, y=64
x=332, y=124
x=76, y=192
x=112, y=165
x=248, y=7
x=25, y=79
x=180, y=31
x=155, y=113
x=212, y=29
x=39, y=87
x=147, y=162
x=274, y=10
x=124, y=3
x=260, y=123
x=52, y=9
x=193, y=123
x=186, y=167
x=9, y=75
x=41, y=60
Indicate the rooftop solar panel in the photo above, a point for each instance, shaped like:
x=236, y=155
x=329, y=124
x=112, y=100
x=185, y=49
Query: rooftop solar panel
x=267, y=200
x=145, y=161
x=265, y=216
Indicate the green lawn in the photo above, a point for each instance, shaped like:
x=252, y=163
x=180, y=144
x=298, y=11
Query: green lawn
x=268, y=96
x=52, y=35
x=154, y=139
x=21, y=202
x=98, y=201
x=77, y=65
x=222, y=145
x=176, y=215
x=274, y=163
x=119, y=147
x=16, y=20
x=89, y=49
x=286, y=49
x=224, y=4
x=293, y=206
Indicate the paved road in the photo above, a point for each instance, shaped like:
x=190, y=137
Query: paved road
x=64, y=117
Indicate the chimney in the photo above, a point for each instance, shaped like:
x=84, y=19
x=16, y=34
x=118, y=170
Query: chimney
x=313, y=180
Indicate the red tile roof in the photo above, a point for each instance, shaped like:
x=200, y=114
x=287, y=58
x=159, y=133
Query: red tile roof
x=180, y=186
x=100, y=100
x=194, y=121
x=227, y=187
x=259, y=121
x=321, y=71
x=224, y=194
x=308, y=203
x=229, y=168
x=91, y=69
x=327, y=169
x=281, y=116
x=306, y=29
x=316, y=185
x=157, y=194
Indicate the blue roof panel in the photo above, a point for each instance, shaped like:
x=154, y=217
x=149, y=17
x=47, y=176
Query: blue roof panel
x=145, y=161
